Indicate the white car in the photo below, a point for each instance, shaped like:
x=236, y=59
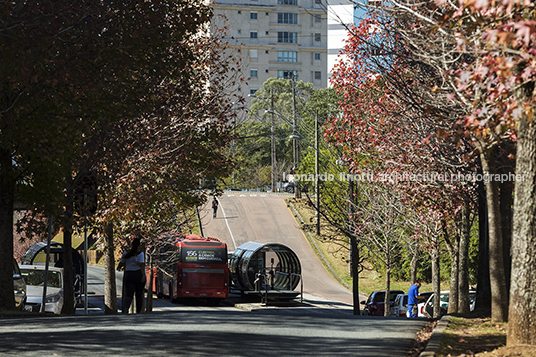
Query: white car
x=34, y=275
x=444, y=303
x=400, y=306
x=422, y=303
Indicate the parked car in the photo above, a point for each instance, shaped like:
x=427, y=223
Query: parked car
x=444, y=303
x=19, y=286
x=289, y=187
x=34, y=276
x=400, y=306
x=375, y=303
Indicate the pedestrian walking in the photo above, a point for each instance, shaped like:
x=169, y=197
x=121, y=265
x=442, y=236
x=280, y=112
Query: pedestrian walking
x=413, y=299
x=214, y=207
x=133, y=261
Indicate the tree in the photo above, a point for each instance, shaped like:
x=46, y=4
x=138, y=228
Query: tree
x=389, y=118
x=379, y=227
x=38, y=111
x=184, y=139
x=503, y=77
x=124, y=95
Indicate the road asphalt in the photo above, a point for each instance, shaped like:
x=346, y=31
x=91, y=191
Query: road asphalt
x=316, y=327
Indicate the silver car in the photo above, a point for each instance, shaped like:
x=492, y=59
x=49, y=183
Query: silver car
x=35, y=279
x=19, y=286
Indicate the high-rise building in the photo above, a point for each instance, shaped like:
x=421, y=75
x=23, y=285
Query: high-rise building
x=278, y=38
x=341, y=16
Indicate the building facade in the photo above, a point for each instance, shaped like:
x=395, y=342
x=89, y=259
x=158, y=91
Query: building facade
x=342, y=14
x=278, y=38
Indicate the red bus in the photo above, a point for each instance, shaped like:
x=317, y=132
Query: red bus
x=201, y=271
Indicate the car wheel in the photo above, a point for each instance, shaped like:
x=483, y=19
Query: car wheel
x=290, y=189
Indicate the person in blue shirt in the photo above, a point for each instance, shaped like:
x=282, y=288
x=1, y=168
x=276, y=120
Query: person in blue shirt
x=413, y=299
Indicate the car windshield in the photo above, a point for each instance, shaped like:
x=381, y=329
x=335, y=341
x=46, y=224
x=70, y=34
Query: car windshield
x=37, y=277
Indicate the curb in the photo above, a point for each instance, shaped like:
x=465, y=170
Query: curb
x=435, y=339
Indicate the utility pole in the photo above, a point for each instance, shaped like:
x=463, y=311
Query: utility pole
x=297, y=192
x=273, y=142
x=317, y=183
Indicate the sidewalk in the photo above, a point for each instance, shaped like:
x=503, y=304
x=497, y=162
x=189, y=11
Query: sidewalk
x=435, y=339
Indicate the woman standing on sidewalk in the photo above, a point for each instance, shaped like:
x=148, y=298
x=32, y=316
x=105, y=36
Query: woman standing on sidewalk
x=134, y=277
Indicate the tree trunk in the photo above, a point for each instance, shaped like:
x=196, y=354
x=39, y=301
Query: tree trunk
x=354, y=254
x=453, y=251
x=7, y=188
x=69, y=304
x=387, y=300
x=483, y=290
x=522, y=323
x=463, y=271
x=436, y=280
x=506, y=201
x=414, y=264
x=499, y=307
x=354, y=262
x=110, y=292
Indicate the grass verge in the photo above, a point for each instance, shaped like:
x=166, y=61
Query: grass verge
x=475, y=335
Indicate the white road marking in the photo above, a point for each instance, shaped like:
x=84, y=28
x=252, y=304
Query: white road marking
x=229, y=228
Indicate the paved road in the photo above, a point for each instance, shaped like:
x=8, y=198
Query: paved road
x=210, y=332
x=264, y=217
x=323, y=325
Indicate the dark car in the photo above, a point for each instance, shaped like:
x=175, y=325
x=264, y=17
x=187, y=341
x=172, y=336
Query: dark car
x=374, y=305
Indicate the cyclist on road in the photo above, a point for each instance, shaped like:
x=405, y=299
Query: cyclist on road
x=214, y=207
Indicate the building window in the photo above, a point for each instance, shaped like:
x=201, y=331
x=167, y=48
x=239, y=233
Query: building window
x=266, y=71
x=287, y=74
x=252, y=91
x=374, y=3
x=267, y=33
x=254, y=53
x=317, y=56
x=253, y=34
x=318, y=37
x=287, y=2
x=287, y=56
x=318, y=2
x=318, y=75
x=253, y=73
x=287, y=37
x=239, y=12
x=287, y=18
x=253, y=15
x=318, y=18
x=239, y=31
